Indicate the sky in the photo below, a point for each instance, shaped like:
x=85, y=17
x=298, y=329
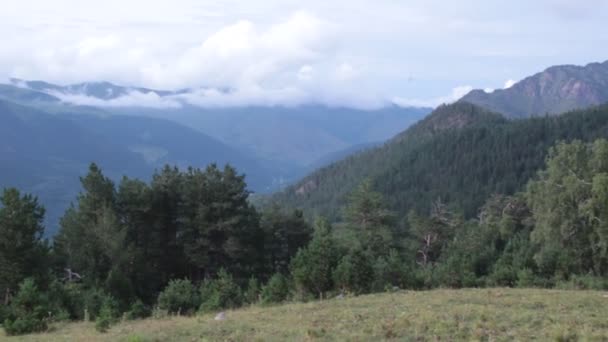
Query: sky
x=355, y=53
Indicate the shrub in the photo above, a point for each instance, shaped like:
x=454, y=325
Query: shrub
x=138, y=310
x=107, y=315
x=526, y=278
x=390, y=272
x=3, y=313
x=180, y=296
x=354, y=272
x=28, y=311
x=504, y=275
x=221, y=293
x=276, y=290
x=252, y=295
x=92, y=301
x=584, y=282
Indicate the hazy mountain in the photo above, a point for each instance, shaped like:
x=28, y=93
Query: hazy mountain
x=556, y=90
x=44, y=154
x=159, y=142
x=297, y=136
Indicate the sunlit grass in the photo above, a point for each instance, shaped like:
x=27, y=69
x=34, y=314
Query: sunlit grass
x=470, y=314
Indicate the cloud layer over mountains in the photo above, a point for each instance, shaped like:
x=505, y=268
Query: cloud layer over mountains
x=288, y=52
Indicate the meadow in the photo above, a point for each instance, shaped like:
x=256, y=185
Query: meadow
x=497, y=314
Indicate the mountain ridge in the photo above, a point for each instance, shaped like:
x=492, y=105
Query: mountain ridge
x=555, y=90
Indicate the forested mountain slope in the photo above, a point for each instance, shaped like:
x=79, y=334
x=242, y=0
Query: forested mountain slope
x=556, y=90
x=161, y=141
x=461, y=153
x=45, y=154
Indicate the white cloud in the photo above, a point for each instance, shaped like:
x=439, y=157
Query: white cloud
x=305, y=73
x=509, y=84
x=131, y=99
x=345, y=72
x=455, y=95
x=351, y=52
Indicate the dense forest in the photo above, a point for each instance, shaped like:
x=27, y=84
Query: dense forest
x=190, y=241
x=460, y=154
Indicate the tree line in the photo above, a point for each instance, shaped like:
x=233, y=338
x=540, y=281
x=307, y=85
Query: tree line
x=190, y=241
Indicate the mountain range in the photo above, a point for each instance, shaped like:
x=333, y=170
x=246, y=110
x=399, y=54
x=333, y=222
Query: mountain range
x=48, y=140
x=50, y=133
x=463, y=152
x=555, y=90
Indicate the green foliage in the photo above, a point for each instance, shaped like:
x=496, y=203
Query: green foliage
x=252, y=294
x=220, y=293
x=22, y=251
x=28, y=311
x=179, y=297
x=220, y=227
x=312, y=266
x=355, y=272
x=569, y=203
x=583, y=282
x=108, y=314
x=460, y=153
x=276, y=290
x=367, y=215
x=285, y=234
x=138, y=310
x=391, y=271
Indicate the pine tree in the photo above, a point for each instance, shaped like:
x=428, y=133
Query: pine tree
x=22, y=250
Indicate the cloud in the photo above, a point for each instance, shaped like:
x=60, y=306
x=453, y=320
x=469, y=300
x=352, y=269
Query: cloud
x=133, y=98
x=509, y=84
x=351, y=53
x=455, y=95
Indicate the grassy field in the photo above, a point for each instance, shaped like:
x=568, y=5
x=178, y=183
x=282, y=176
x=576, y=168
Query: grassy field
x=471, y=314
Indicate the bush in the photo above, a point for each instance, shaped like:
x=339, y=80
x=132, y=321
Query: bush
x=138, y=310
x=108, y=314
x=252, y=295
x=354, y=272
x=390, y=272
x=28, y=311
x=180, y=296
x=584, y=282
x=526, y=278
x=3, y=313
x=276, y=290
x=92, y=301
x=504, y=275
x=221, y=293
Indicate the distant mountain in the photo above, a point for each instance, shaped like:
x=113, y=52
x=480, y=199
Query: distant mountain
x=556, y=90
x=293, y=137
x=461, y=153
x=45, y=154
x=159, y=142
x=339, y=155
x=297, y=136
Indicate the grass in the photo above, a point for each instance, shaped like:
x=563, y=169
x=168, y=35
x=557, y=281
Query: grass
x=469, y=314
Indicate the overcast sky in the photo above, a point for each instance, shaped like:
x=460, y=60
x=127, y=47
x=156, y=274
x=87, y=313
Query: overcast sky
x=355, y=52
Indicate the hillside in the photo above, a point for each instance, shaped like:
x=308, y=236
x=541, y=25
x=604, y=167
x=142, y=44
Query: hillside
x=475, y=154
x=290, y=140
x=159, y=142
x=45, y=154
x=298, y=135
x=473, y=314
x=556, y=90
